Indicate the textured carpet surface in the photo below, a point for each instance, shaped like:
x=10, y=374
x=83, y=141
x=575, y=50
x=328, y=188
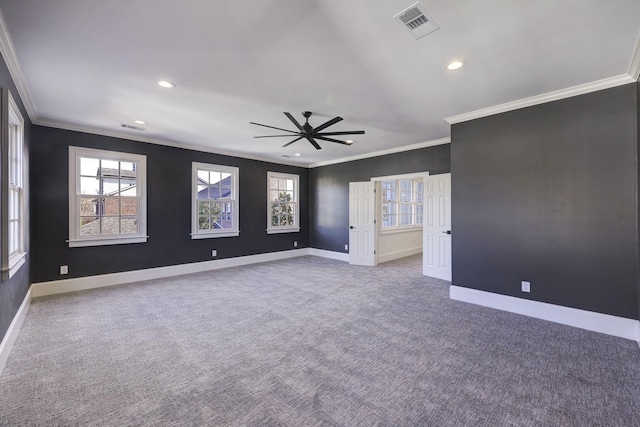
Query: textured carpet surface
x=308, y=342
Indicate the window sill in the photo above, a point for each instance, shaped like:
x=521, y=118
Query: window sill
x=14, y=266
x=397, y=230
x=215, y=235
x=283, y=230
x=107, y=241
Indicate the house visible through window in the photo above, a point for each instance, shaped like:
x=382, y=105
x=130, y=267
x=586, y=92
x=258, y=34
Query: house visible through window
x=282, y=203
x=215, y=201
x=107, y=197
x=402, y=203
x=13, y=191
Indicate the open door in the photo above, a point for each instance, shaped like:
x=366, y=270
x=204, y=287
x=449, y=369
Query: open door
x=437, y=227
x=362, y=227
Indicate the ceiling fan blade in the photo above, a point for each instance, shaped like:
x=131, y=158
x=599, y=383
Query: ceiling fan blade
x=327, y=124
x=313, y=142
x=272, y=136
x=346, y=132
x=295, y=122
x=332, y=140
x=289, y=143
x=272, y=127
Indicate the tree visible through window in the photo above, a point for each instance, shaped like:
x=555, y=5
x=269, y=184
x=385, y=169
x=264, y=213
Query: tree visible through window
x=282, y=208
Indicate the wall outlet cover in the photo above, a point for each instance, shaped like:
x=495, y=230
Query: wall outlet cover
x=214, y=253
x=526, y=286
x=64, y=269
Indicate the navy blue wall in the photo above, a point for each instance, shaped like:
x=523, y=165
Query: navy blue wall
x=548, y=194
x=168, y=209
x=329, y=189
x=13, y=291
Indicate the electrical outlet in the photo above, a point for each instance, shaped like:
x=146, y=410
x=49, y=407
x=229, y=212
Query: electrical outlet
x=295, y=244
x=346, y=247
x=214, y=253
x=64, y=269
x=526, y=286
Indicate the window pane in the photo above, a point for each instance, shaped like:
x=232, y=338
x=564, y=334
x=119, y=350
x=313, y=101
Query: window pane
x=128, y=225
x=89, y=226
x=226, y=193
x=89, y=167
x=128, y=169
x=110, y=206
x=282, y=184
x=129, y=206
x=128, y=187
x=203, y=176
x=204, y=223
x=203, y=208
x=89, y=185
x=110, y=225
x=226, y=178
x=215, y=177
x=110, y=168
x=110, y=186
x=275, y=214
x=273, y=195
x=273, y=183
x=88, y=206
x=203, y=192
x=289, y=185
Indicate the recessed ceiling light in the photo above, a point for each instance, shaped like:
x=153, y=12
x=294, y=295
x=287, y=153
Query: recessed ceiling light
x=166, y=83
x=454, y=65
x=297, y=154
x=140, y=122
x=349, y=141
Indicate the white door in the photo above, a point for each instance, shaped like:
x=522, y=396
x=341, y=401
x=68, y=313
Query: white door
x=437, y=227
x=362, y=227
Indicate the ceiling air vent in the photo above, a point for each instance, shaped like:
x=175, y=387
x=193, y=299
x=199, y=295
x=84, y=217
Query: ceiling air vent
x=126, y=126
x=417, y=20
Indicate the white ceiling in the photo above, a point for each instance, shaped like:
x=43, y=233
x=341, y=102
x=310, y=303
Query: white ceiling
x=94, y=64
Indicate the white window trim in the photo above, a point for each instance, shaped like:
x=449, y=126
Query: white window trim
x=296, y=184
x=11, y=115
x=401, y=228
x=235, y=200
x=75, y=240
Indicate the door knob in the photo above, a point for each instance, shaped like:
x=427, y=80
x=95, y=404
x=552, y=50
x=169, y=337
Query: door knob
x=447, y=232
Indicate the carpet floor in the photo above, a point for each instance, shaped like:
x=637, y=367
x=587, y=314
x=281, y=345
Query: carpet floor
x=308, y=342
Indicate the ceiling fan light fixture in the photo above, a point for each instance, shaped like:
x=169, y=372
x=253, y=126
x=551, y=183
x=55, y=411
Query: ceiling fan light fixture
x=455, y=65
x=297, y=154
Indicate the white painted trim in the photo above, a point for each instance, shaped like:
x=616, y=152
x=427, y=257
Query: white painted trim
x=14, y=328
x=589, y=320
x=634, y=64
x=418, y=175
x=339, y=256
x=383, y=152
x=11, y=59
x=541, y=99
x=399, y=254
x=91, y=282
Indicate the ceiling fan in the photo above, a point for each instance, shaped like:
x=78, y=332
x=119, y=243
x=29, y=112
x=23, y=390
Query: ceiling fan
x=309, y=132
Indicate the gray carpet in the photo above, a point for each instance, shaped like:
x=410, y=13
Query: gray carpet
x=308, y=342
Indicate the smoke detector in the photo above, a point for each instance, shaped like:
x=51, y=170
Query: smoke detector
x=417, y=20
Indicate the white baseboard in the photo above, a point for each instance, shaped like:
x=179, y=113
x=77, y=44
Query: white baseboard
x=329, y=254
x=14, y=328
x=399, y=254
x=82, y=283
x=597, y=322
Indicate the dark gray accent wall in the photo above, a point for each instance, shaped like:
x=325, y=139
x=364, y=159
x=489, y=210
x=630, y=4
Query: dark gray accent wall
x=329, y=189
x=548, y=194
x=13, y=291
x=168, y=209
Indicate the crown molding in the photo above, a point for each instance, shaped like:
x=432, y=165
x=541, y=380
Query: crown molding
x=634, y=65
x=11, y=59
x=541, y=99
x=383, y=152
x=157, y=141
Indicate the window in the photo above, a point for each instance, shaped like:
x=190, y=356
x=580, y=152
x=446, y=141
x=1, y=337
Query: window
x=215, y=201
x=13, y=190
x=107, y=197
x=402, y=203
x=282, y=203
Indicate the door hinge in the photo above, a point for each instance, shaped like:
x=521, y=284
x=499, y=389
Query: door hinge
x=374, y=251
x=374, y=221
